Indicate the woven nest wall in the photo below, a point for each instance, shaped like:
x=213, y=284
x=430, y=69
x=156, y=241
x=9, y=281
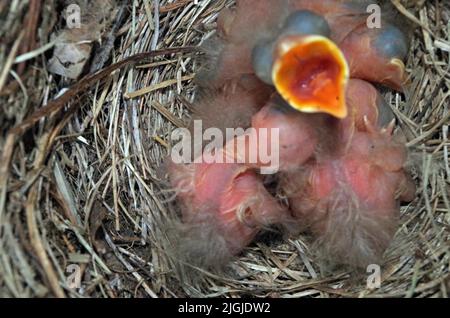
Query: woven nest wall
x=81, y=196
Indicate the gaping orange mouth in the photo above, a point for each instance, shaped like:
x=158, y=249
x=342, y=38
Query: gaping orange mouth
x=311, y=74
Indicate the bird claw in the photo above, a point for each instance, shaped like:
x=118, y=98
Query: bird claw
x=368, y=125
x=389, y=129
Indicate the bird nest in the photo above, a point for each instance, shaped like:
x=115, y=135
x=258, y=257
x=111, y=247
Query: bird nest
x=81, y=200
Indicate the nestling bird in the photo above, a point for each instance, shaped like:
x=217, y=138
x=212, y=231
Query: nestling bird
x=224, y=206
x=274, y=39
x=230, y=202
x=351, y=202
x=303, y=68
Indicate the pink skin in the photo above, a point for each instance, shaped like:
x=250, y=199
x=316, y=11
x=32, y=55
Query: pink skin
x=366, y=62
x=370, y=150
x=351, y=199
x=296, y=143
x=368, y=164
x=372, y=166
x=229, y=197
x=300, y=134
x=351, y=203
x=262, y=18
x=221, y=190
x=297, y=136
x=364, y=103
x=363, y=100
x=232, y=196
x=368, y=158
x=377, y=184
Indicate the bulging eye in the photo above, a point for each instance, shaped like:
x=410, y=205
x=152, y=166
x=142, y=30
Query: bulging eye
x=392, y=43
x=306, y=22
x=262, y=59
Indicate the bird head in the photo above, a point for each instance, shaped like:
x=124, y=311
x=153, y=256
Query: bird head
x=308, y=69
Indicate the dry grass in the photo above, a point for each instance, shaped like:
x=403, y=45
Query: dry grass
x=83, y=186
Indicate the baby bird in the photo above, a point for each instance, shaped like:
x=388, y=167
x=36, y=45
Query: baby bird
x=306, y=49
x=331, y=170
x=223, y=207
x=297, y=73
x=302, y=136
x=375, y=54
x=351, y=202
x=350, y=198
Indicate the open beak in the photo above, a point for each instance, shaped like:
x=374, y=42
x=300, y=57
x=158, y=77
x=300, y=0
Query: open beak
x=311, y=73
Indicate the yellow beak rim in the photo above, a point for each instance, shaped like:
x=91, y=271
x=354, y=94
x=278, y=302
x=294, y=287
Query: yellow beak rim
x=311, y=74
